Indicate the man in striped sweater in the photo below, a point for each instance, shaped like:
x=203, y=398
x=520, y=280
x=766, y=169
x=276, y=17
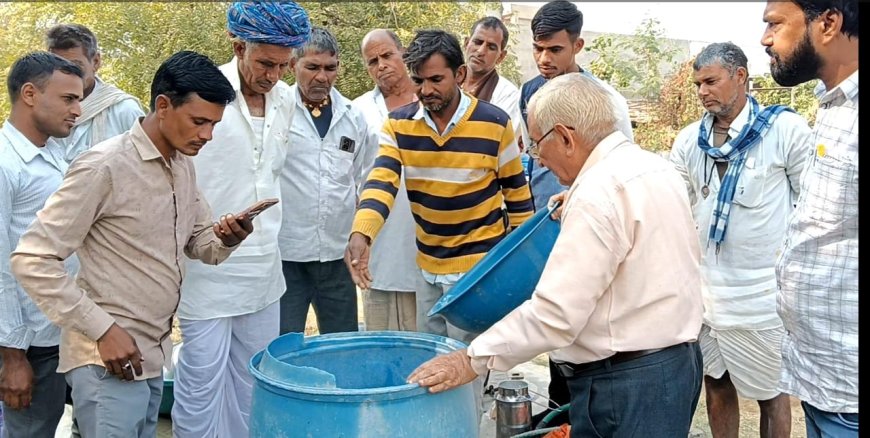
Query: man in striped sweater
x=462, y=167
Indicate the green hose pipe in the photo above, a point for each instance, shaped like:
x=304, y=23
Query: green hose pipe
x=535, y=433
x=549, y=417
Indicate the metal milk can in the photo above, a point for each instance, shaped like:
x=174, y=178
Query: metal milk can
x=513, y=407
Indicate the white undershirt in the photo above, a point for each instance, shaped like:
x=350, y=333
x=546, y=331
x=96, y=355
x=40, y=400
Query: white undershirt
x=258, y=135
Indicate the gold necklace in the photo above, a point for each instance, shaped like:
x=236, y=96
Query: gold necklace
x=315, y=108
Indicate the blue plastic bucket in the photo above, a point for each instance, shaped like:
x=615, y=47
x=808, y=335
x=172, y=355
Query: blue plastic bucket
x=353, y=385
x=503, y=279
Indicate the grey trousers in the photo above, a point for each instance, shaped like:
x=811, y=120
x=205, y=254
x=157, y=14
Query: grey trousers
x=47, y=398
x=107, y=407
x=427, y=295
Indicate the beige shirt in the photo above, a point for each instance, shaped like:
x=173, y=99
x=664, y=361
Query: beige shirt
x=130, y=217
x=622, y=276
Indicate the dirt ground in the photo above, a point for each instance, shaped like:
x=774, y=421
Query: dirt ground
x=749, y=415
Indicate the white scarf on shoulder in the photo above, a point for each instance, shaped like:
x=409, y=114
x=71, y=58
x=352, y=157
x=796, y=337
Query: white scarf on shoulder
x=94, y=106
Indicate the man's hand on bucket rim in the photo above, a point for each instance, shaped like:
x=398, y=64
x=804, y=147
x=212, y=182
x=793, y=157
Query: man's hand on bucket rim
x=444, y=372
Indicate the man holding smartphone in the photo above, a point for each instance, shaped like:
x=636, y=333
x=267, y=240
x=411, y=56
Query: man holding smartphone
x=130, y=210
x=229, y=312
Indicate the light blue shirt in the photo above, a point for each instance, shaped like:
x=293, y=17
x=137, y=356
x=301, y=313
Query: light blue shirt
x=28, y=176
x=320, y=181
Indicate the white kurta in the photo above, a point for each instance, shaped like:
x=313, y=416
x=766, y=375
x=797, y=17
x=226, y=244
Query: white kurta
x=230, y=311
x=739, y=284
x=233, y=172
x=393, y=256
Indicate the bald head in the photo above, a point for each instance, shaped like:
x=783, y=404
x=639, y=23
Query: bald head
x=382, y=54
x=383, y=36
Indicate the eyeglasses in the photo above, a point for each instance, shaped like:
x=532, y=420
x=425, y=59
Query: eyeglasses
x=534, y=149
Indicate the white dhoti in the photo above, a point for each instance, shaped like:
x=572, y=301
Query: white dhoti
x=752, y=359
x=212, y=383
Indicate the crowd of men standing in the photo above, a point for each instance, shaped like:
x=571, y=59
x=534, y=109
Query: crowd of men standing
x=733, y=262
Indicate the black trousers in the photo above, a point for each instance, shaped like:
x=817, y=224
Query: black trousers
x=653, y=396
x=559, y=395
x=47, y=397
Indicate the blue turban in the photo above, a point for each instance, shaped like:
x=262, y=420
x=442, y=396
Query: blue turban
x=280, y=23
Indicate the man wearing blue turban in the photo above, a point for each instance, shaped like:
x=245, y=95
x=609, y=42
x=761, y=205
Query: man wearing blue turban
x=228, y=314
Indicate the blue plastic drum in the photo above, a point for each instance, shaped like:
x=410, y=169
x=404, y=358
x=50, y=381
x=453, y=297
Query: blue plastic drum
x=353, y=385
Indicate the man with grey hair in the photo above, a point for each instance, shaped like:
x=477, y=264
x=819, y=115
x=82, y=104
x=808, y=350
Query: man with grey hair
x=741, y=164
x=620, y=270
x=107, y=111
x=229, y=312
x=332, y=147
x=390, y=302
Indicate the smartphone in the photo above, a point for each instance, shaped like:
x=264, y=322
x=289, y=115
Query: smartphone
x=260, y=206
x=346, y=144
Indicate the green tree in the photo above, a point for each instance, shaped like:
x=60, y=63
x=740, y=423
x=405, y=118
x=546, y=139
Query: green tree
x=801, y=98
x=510, y=66
x=634, y=63
x=135, y=37
x=609, y=66
x=350, y=21
x=674, y=108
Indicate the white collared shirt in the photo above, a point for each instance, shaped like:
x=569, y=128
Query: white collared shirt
x=233, y=172
x=507, y=97
x=818, y=270
x=622, y=276
x=464, y=103
x=393, y=255
x=739, y=285
x=28, y=176
x=319, y=181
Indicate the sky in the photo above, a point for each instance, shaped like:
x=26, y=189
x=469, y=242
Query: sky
x=738, y=22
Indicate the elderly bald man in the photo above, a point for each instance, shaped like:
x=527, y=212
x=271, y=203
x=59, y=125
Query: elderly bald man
x=621, y=269
x=390, y=303
x=230, y=312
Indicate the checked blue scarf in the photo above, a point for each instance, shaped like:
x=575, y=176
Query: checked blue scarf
x=734, y=152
